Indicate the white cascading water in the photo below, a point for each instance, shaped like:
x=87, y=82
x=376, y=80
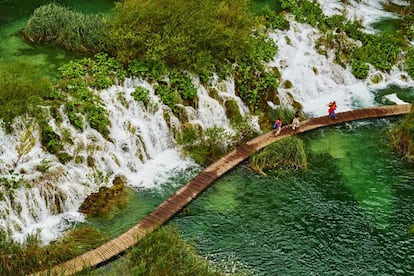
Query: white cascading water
x=143, y=148
x=318, y=80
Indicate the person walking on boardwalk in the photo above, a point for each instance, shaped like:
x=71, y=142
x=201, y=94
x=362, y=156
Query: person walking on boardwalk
x=277, y=127
x=331, y=110
x=295, y=122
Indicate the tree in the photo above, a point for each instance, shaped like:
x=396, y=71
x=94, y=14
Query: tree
x=188, y=34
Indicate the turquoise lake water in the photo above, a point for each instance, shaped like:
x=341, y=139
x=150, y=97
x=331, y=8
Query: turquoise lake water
x=351, y=213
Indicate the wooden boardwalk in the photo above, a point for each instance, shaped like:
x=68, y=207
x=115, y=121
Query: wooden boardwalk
x=192, y=189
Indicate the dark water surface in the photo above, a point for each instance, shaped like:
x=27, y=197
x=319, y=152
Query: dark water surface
x=351, y=213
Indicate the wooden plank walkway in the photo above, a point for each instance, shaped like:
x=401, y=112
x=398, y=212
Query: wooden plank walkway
x=196, y=186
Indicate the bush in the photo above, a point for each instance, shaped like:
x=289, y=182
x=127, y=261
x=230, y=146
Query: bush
x=360, y=69
x=191, y=35
x=288, y=153
x=73, y=30
x=18, y=259
x=402, y=138
x=141, y=94
x=205, y=146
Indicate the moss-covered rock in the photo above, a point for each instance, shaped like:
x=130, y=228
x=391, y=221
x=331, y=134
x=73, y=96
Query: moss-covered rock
x=107, y=199
x=233, y=111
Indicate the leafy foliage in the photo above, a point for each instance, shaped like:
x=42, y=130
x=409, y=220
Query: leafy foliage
x=76, y=78
x=191, y=35
x=254, y=84
x=409, y=62
x=205, y=146
x=383, y=50
x=360, y=69
x=141, y=94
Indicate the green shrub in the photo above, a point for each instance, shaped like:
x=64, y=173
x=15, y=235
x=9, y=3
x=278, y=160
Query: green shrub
x=206, y=146
x=147, y=70
x=402, y=137
x=73, y=30
x=76, y=77
x=50, y=139
x=409, y=63
x=30, y=257
x=360, y=69
x=168, y=95
x=191, y=35
x=182, y=82
x=288, y=153
x=141, y=94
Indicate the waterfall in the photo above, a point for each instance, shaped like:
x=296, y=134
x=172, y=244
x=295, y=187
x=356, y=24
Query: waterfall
x=316, y=79
x=141, y=147
x=367, y=12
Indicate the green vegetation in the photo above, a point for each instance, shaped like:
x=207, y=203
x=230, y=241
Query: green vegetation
x=141, y=94
x=162, y=253
x=255, y=84
x=77, y=78
x=360, y=69
x=59, y=25
x=17, y=259
x=288, y=153
x=21, y=91
x=402, y=138
x=191, y=35
x=205, y=146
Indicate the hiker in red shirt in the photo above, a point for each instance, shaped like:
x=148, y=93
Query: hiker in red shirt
x=277, y=126
x=331, y=110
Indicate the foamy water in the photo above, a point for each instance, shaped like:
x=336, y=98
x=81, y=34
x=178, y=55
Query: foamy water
x=367, y=12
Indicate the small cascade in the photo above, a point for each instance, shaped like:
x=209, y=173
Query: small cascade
x=367, y=12
x=40, y=194
x=317, y=80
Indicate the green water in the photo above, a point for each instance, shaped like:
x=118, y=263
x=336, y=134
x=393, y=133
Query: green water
x=405, y=94
x=140, y=203
x=258, y=5
x=14, y=15
x=349, y=214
